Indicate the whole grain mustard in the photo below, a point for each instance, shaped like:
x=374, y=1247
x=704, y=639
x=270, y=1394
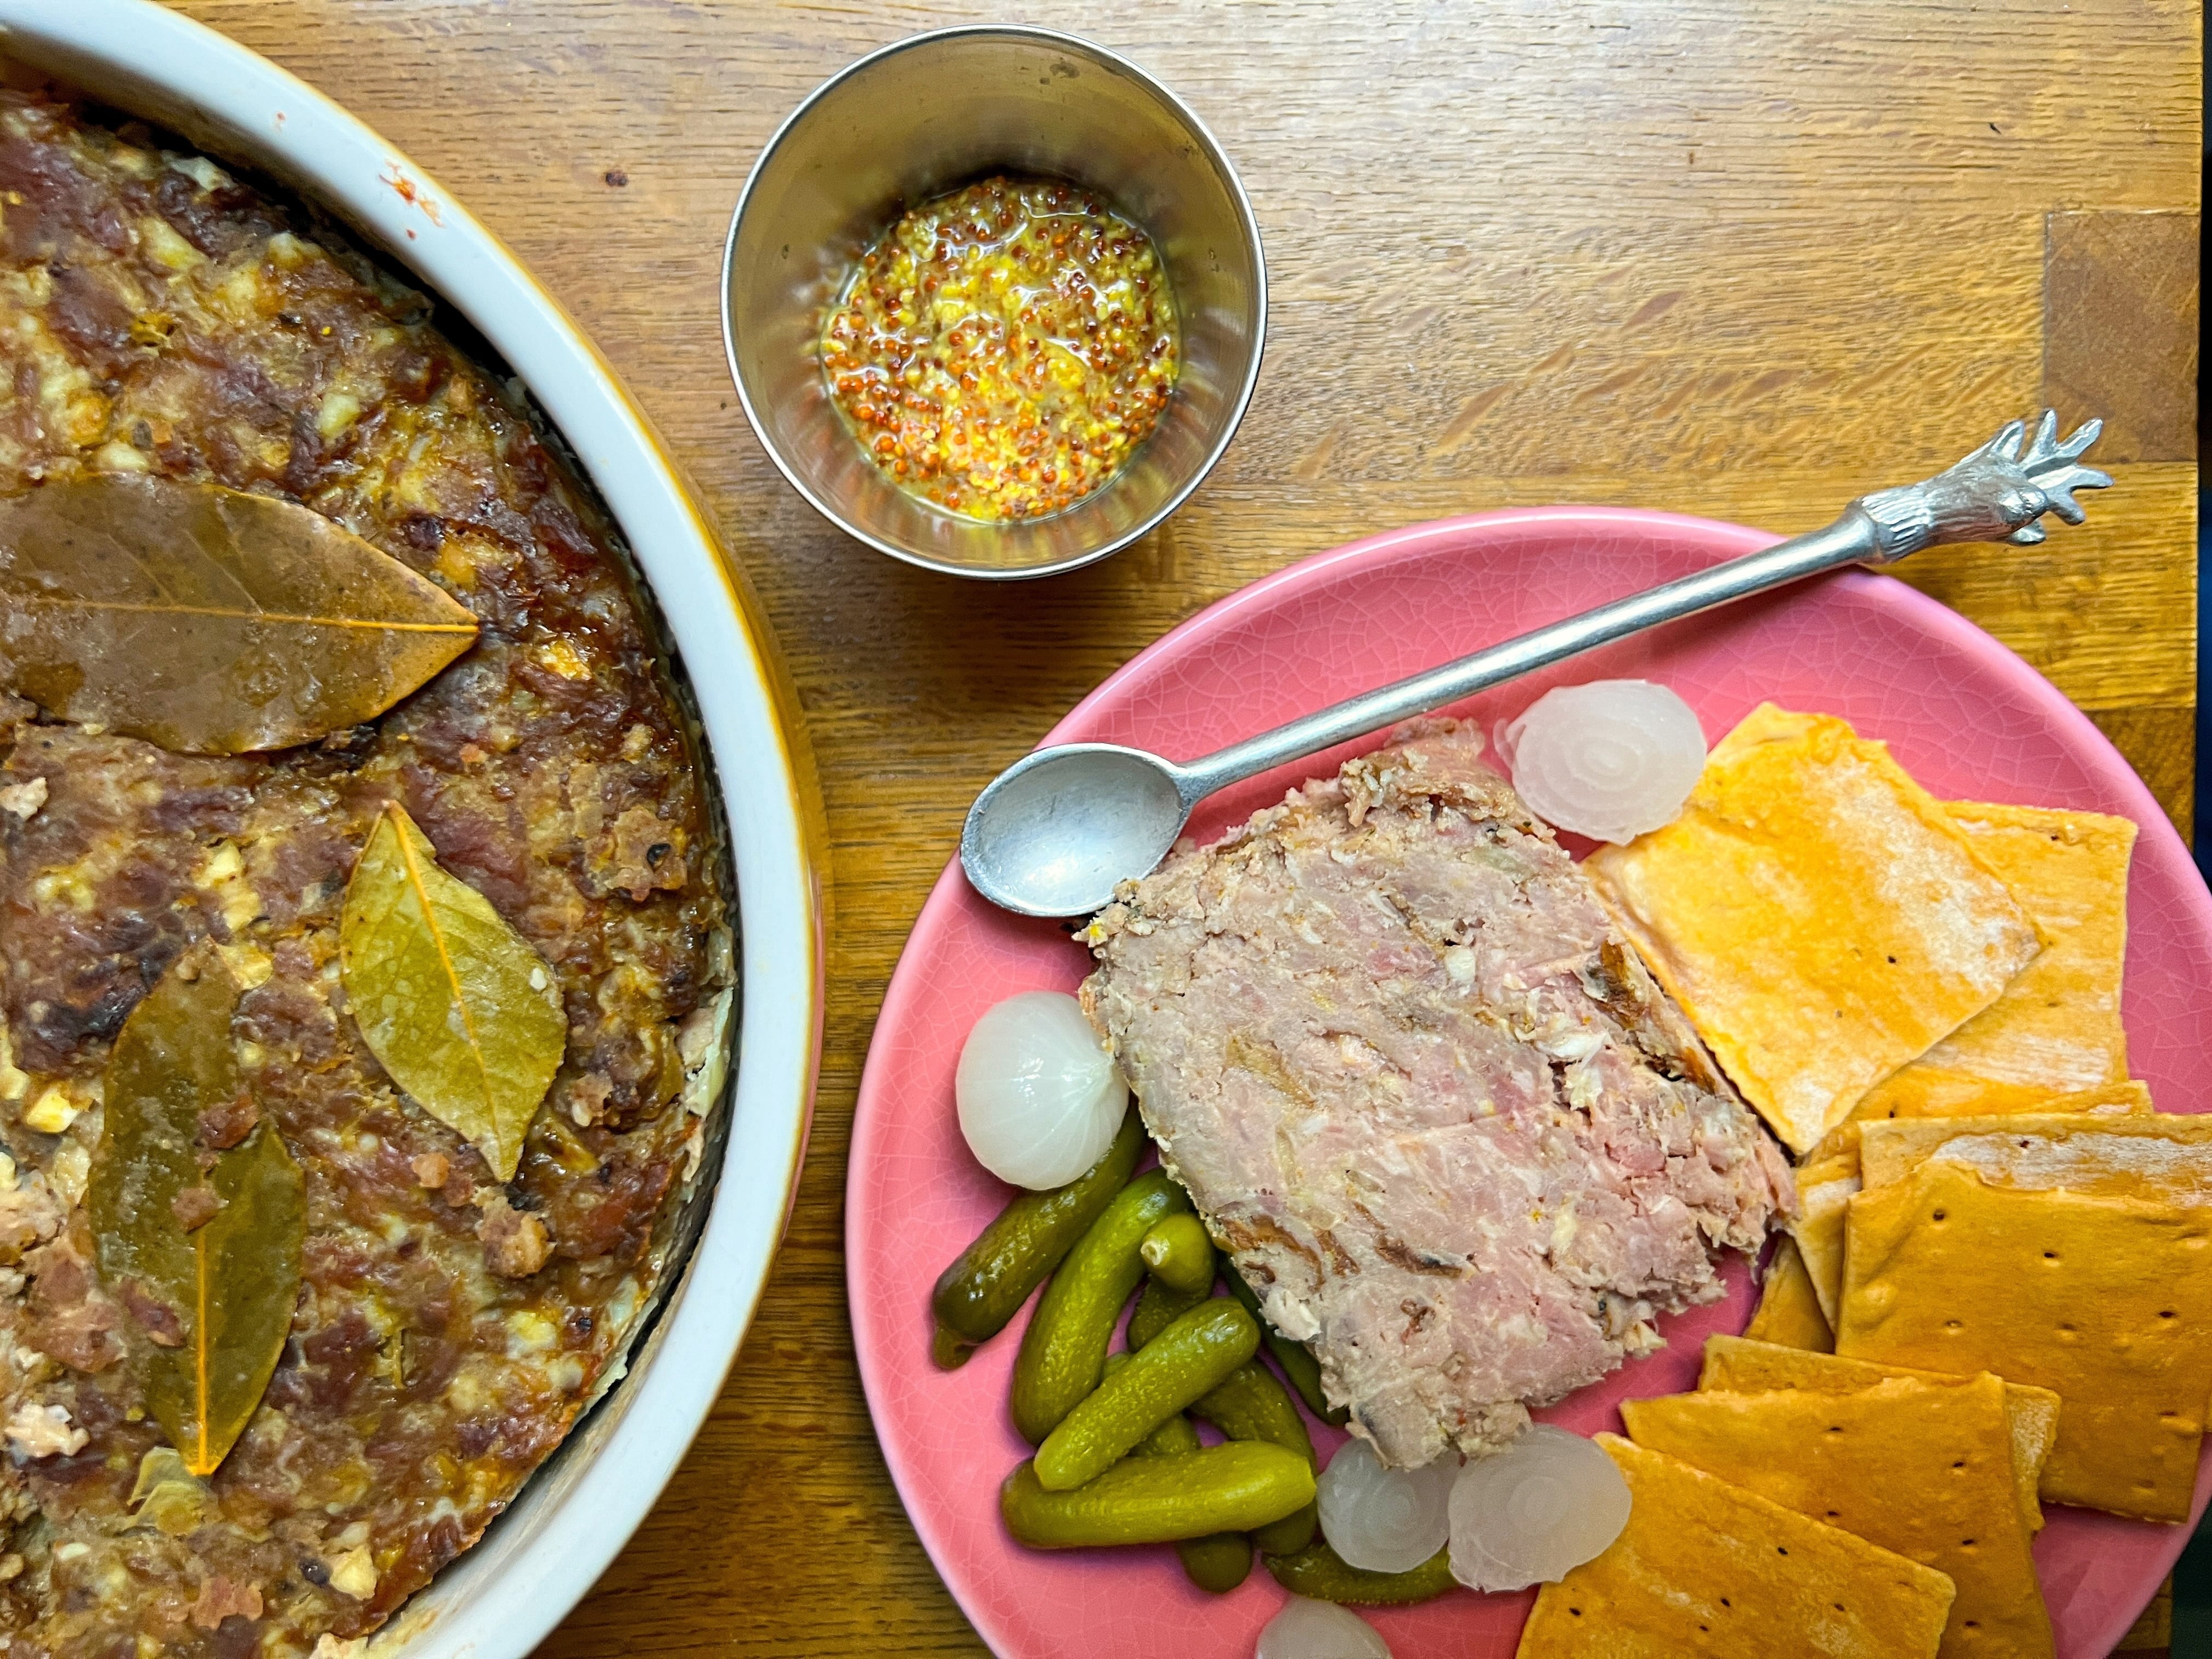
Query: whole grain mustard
x=1003, y=350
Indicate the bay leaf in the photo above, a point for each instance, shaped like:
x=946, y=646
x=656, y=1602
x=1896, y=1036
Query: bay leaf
x=231, y=1281
x=452, y=1002
x=207, y=620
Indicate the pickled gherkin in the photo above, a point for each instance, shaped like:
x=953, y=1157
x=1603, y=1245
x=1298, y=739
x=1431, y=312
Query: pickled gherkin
x=1248, y=1404
x=1064, y=1351
x=986, y=1285
x=1184, y=1362
x=1320, y=1573
x=1221, y=1561
x=1158, y=1309
x=1179, y=1255
x=1158, y=1500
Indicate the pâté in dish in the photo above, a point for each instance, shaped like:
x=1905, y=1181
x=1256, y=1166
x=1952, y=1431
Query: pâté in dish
x=428, y=1206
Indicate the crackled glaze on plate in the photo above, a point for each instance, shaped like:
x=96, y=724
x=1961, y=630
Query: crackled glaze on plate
x=1963, y=714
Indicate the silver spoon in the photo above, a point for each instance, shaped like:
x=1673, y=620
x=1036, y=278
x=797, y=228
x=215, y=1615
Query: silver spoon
x=1056, y=832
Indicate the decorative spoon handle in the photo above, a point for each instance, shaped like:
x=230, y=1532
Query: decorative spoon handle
x=1995, y=494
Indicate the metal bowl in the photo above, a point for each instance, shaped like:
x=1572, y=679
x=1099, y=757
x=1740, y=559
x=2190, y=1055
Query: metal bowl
x=925, y=116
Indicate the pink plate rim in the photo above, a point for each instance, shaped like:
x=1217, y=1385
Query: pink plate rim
x=873, y=1341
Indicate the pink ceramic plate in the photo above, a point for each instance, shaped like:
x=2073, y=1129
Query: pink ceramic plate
x=1964, y=714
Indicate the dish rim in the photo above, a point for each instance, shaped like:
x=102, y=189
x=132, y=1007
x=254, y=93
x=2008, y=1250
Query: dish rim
x=144, y=58
x=875, y=1327
x=1238, y=408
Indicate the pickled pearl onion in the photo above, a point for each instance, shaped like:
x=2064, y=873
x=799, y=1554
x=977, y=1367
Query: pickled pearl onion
x=1319, y=1630
x=1611, y=760
x=1384, y=1520
x=1038, y=1096
x=1530, y=1514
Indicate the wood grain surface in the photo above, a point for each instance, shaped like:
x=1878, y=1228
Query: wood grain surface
x=1741, y=259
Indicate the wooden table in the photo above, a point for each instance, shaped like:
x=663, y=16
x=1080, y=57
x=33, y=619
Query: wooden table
x=1736, y=259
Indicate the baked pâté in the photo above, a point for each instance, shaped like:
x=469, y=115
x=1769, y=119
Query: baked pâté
x=159, y=318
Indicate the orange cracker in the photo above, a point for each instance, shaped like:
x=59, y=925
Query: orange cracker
x=1925, y=1469
x=1740, y=1364
x=2165, y=1158
x=1817, y=913
x=1826, y=1180
x=1707, y=1568
x=1953, y=1094
x=2057, y=1026
x=1789, y=1308
x=2103, y=1300
x=1823, y=1189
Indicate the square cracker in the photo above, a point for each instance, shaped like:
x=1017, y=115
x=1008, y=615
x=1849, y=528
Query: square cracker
x=1788, y=1313
x=1817, y=915
x=1823, y=1188
x=1953, y=1094
x=1923, y=1469
x=1826, y=1180
x=1706, y=1567
x=2165, y=1158
x=2057, y=1026
x=1740, y=1364
x=2103, y=1300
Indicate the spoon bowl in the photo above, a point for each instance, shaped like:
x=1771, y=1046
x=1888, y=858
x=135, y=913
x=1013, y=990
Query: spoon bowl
x=1058, y=829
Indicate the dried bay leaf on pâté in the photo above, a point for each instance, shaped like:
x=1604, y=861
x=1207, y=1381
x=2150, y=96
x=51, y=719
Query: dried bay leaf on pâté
x=231, y=1280
x=207, y=620
x=452, y=1002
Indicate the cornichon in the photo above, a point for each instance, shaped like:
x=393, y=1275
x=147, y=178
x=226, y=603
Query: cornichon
x=1189, y=1359
x=1217, y=1563
x=1248, y=1404
x=1221, y=1561
x=1320, y=1573
x=986, y=1287
x=1158, y=1500
x=1295, y=1358
x=1064, y=1350
x=1158, y=1309
x=1179, y=1255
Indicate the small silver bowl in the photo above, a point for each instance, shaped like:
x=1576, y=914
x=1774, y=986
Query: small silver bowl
x=925, y=116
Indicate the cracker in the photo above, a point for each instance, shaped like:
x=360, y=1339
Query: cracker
x=1923, y=1469
x=1707, y=1568
x=1966, y=1096
x=1919, y=1090
x=1827, y=1180
x=1789, y=1311
x=1824, y=1188
x=1744, y=1365
x=2165, y=1158
x=2103, y=1300
x=2057, y=1026
x=1817, y=913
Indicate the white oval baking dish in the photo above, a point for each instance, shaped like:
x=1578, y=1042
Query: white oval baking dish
x=501, y=1599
